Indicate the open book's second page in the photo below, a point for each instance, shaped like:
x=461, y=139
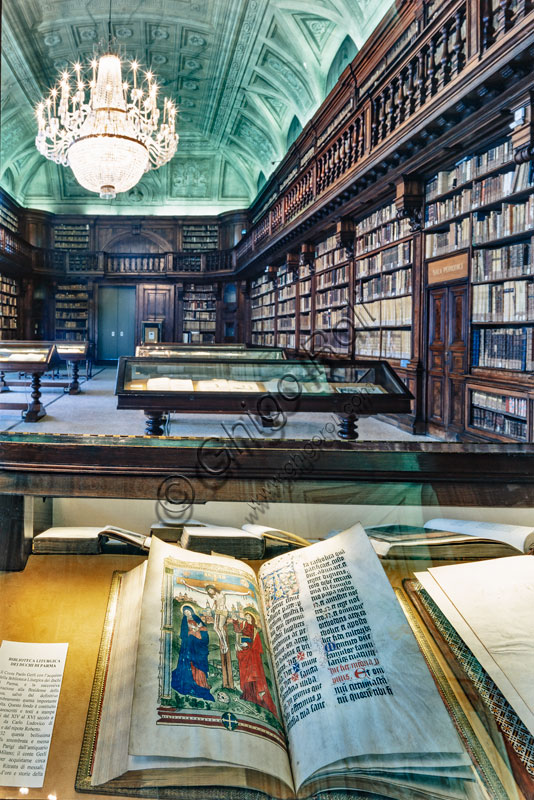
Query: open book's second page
x=490, y=603
x=353, y=684
x=204, y=685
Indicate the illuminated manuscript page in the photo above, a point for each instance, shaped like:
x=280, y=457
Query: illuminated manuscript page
x=354, y=688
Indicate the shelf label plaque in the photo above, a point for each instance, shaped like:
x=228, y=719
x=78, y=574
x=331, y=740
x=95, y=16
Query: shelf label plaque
x=452, y=268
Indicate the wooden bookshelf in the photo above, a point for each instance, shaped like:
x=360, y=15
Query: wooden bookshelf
x=383, y=276
x=199, y=313
x=263, y=311
x=286, y=306
x=9, y=308
x=71, y=246
x=490, y=200
x=9, y=218
x=73, y=303
x=332, y=293
x=200, y=237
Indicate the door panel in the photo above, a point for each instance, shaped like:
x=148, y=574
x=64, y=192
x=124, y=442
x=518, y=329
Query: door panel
x=446, y=356
x=107, y=324
x=126, y=321
x=116, y=322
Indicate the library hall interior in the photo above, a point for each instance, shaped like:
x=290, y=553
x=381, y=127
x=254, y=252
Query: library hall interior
x=267, y=399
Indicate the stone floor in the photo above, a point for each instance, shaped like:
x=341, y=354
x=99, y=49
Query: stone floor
x=95, y=411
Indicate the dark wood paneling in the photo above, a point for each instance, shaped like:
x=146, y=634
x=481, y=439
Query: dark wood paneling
x=156, y=301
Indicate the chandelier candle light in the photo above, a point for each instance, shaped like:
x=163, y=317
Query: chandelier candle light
x=108, y=141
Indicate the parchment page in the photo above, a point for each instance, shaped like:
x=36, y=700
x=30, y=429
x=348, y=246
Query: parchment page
x=204, y=685
x=30, y=680
x=352, y=681
x=494, y=602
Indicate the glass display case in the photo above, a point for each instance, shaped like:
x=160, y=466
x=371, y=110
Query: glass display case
x=34, y=358
x=311, y=489
x=73, y=353
x=264, y=388
x=170, y=350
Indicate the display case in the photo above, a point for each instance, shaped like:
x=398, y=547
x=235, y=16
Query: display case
x=73, y=353
x=267, y=389
x=129, y=481
x=172, y=350
x=34, y=358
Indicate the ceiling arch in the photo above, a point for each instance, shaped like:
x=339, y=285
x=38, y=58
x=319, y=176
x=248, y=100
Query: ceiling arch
x=240, y=71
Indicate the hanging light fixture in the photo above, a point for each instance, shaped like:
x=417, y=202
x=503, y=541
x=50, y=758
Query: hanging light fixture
x=107, y=131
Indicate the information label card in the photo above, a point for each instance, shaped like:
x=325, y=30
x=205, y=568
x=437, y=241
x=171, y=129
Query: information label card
x=30, y=680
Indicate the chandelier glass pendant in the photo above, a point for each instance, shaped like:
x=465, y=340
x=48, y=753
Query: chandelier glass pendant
x=108, y=131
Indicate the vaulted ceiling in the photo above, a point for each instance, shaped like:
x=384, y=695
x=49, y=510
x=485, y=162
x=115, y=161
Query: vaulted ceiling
x=244, y=74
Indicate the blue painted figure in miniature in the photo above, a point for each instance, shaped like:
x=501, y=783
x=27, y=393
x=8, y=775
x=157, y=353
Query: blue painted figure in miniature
x=191, y=674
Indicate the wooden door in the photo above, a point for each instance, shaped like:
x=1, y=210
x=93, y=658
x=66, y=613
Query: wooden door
x=446, y=358
x=154, y=302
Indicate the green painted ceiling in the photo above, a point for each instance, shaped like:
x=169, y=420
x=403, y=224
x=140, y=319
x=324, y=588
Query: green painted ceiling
x=239, y=70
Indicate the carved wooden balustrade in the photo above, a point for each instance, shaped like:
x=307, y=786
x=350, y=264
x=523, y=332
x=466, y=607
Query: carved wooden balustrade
x=440, y=59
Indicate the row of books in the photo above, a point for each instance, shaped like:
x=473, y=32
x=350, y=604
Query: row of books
x=264, y=324
x=468, y=168
x=452, y=206
x=384, y=344
x=492, y=421
x=513, y=218
x=325, y=246
x=266, y=299
x=286, y=324
x=499, y=402
x=398, y=256
x=512, y=261
x=380, y=217
x=264, y=339
x=305, y=287
x=502, y=348
x=9, y=300
x=455, y=238
x=287, y=292
x=332, y=297
x=284, y=277
x=196, y=287
x=390, y=284
x=305, y=271
x=331, y=259
x=333, y=277
x=396, y=311
x=305, y=303
x=387, y=234
x=286, y=340
x=509, y=301
x=305, y=321
x=287, y=306
x=199, y=305
x=205, y=315
x=200, y=325
x=332, y=317
x=68, y=315
x=8, y=286
x=493, y=188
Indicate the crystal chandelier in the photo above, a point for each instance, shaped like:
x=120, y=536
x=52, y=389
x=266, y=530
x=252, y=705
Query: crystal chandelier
x=107, y=131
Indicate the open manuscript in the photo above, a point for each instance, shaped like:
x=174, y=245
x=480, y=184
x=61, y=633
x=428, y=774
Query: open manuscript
x=305, y=678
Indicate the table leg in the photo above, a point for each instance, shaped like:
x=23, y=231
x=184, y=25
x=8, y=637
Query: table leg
x=154, y=423
x=74, y=386
x=3, y=385
x=36, y=410
x=348, y=428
